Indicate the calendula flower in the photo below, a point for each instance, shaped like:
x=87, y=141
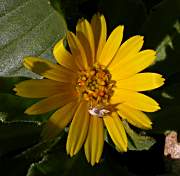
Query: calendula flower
x=95, y=85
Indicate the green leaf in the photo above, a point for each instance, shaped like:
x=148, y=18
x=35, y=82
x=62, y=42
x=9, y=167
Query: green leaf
x=7, y=83
x=57, y=162
x=13, y=107
x=168, y=117
x=161, y=31
x=168, y=95
x=121, y=13
x=156, y=28
x=20, y=162
x=73, y=10
x=171, y=94
x=27, y=28
x=172, y=167
x=18, y=135
x=137, y=141
x=130, y=13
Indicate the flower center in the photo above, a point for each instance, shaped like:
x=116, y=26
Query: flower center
x=96, y=86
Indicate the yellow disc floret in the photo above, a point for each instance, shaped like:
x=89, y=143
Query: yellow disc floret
x=95, y=85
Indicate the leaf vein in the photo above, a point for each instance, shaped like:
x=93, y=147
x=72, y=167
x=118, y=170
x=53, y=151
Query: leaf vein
x=27, y=32
x=15, y=9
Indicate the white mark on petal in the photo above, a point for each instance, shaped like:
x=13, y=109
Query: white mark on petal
x=95, y=111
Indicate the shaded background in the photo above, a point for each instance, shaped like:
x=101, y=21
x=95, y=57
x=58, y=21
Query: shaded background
x=31, y=27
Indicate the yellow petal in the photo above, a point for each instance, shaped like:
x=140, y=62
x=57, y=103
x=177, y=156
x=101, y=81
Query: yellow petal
x=63, y=57
x=78, y=129
x=135, y=117
x=133, y=65
x=77, y=51
x=99, y=28
x=59, y=120
x=111, y=46
x=116, y=131
x=49, y=70
x=95, y=140
x=141, y=82
x=40, y=88
x=127, y=50
x=85, y=34
x=135, y=100
x=50, y=103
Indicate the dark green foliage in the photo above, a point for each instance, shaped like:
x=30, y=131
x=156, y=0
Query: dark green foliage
x=31, y=28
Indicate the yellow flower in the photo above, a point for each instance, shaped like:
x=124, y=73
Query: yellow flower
x=96, y=84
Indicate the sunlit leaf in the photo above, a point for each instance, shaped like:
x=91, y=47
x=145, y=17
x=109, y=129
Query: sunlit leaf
x=138, y=141
x=27, y=28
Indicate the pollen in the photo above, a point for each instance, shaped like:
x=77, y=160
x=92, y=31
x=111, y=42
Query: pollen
x=96, y=85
